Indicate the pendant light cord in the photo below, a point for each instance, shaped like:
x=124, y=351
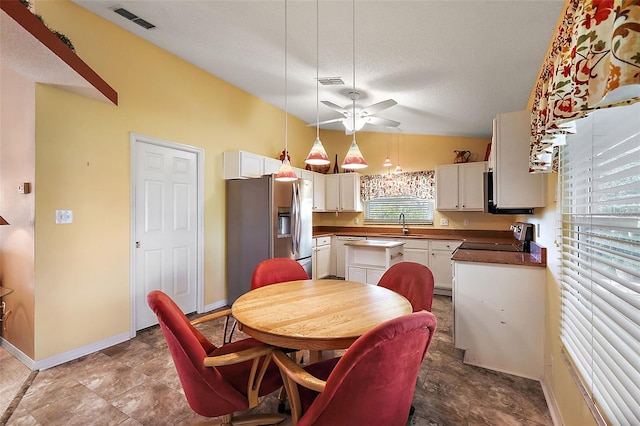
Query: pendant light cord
x=286, y=115
x=354, y=70
x=317, y=65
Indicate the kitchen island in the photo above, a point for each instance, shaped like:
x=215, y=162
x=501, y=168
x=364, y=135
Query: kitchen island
x=367, y=260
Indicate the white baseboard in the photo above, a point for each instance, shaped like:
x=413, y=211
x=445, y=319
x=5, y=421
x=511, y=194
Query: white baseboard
x=216, y=305
x=55, y=360
x=552, y=403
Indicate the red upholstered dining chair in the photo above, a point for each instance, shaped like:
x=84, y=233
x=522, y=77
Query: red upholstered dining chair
x=412, y=280
x=217, y=381
x=371, y=384
x=277, y=270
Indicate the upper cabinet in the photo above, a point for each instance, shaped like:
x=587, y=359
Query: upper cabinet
x=31, y=49
x=460, y=187
x=342, y=192
x=513, y=186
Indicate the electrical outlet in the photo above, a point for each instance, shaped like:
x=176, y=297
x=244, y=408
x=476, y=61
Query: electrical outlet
x=466, y=222
x=444, y=222
x=64, y=216
x=356, y=221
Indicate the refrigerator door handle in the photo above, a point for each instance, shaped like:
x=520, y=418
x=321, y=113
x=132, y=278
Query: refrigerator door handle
x=294, y=219
x=298, y=217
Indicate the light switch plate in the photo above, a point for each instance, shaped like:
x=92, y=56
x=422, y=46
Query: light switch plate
x=444, y=222
x=64, y=216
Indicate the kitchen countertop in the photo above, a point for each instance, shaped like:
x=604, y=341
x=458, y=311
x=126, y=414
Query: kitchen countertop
x=374, y=243
x=537, y=257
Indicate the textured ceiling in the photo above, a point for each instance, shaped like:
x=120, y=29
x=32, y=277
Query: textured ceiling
x=451, y=65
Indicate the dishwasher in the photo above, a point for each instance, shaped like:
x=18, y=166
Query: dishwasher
x=341, y=253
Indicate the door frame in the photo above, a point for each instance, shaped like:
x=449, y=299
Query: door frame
x=199, y=152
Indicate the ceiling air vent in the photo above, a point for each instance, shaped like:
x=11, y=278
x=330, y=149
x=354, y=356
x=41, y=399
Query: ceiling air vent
x=331, y=81
x=134, y=18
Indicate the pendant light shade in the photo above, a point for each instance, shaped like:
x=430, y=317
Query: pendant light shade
x=354, y=159
x=285, y=173
x=318, y=155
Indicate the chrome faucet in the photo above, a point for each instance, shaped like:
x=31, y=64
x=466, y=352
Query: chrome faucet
x=405, y=230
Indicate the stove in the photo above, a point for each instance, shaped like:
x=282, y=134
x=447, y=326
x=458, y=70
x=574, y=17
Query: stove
x=522, y=233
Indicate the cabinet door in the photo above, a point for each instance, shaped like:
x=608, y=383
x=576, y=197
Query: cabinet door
x=440, y=263
x=471, y=187
x=323, y=261
x=271, y=165
x=356, y=274
x=420, y=256
x=447, y=187
x=318, y=192
x=374, y=275
x=241, y=164
x=332, y=193
x=350, y=192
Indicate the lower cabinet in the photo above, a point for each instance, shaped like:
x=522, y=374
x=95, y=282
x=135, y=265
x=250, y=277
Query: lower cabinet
x=321, y=256
x=499, y=316
x=440, y=264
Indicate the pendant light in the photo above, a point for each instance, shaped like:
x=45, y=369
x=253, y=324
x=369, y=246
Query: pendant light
x=398, y=169
x=387, y=161
x=354, y=159
x=317, y=155
x=285, y=173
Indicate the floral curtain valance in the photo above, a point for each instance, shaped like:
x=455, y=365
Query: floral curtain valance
x=594, y=62
x=414, y=184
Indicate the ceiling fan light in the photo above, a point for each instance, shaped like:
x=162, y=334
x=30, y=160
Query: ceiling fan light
x=387, y=163
x=354, y=159
x=286, y=173
x=318, y=155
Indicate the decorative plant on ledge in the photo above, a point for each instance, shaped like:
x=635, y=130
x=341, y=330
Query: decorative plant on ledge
x=58, y=34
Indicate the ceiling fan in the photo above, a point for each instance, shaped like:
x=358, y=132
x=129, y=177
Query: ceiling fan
x=362, y=115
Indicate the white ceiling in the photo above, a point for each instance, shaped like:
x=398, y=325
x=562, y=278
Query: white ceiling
x=451, y=65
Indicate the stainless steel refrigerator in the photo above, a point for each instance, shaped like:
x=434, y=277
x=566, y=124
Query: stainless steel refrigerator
x=266, y=219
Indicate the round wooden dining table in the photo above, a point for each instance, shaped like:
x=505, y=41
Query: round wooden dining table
x=316, y=314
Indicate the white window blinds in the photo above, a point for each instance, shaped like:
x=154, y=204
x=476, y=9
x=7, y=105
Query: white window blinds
x=600, y=182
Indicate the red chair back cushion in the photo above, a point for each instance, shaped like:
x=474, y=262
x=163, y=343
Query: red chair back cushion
x=277, y=270
x=412, y=280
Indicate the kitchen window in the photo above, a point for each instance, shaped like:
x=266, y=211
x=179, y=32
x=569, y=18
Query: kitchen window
x=386, y=196
x=600, y=240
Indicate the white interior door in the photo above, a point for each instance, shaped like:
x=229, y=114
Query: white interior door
x=165, y=227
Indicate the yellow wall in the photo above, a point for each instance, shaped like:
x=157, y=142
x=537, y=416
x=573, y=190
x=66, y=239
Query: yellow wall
x=82, y=162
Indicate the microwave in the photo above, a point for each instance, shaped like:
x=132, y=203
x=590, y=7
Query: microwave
x=489, y=201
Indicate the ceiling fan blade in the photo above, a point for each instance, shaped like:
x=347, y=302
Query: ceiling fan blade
x=372, y=109
x=335, y=120
x=378, y=121
x=336, y=107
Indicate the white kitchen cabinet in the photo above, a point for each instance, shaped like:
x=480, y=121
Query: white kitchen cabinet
x=318, y=192
x=367, y=260
x=321, y=256
x=460, y=186
x=499, y=316
x=440, y=264
x=242, y=165
x=342, y=192
x=271, y=165
x=513, y=185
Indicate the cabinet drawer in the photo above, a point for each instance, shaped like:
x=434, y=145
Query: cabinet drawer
x=322, y=241
x=445, y=245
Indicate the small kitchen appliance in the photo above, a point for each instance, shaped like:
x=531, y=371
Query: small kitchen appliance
x=522, y=234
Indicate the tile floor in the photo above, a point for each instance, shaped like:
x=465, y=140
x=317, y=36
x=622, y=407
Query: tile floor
x=135, y=383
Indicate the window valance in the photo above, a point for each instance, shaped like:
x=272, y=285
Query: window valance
x=416, y=184
x=594, y=62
